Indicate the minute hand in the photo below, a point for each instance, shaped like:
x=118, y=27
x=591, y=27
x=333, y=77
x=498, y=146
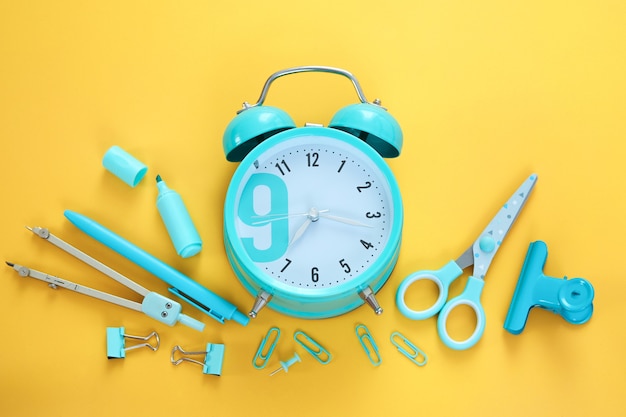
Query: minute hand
x=343, y=220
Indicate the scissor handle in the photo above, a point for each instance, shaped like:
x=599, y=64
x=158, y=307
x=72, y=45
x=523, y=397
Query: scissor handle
x=470, y=297
x=442, y=277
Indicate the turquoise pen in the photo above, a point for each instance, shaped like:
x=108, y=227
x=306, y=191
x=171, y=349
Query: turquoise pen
x=183, y=286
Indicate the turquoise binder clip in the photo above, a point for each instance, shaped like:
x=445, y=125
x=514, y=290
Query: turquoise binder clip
x=315, y=349
x=116, y=342
x=572, y=299
x=415, y=354
x=263, y=353
x=213, y=358
x=369, y=345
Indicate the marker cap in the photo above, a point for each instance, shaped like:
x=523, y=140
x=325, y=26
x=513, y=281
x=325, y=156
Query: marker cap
x=124, y=166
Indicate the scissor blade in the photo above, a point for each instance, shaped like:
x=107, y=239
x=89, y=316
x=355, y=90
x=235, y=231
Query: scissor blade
x=486, y=246
x=466, y=259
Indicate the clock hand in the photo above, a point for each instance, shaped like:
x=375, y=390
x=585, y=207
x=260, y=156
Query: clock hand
x=300, y=231
x=343, y=220
x=274, y=217
x=312, y=216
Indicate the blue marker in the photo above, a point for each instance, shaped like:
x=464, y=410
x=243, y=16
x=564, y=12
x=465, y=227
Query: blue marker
x=177, y=221
x=183, y=286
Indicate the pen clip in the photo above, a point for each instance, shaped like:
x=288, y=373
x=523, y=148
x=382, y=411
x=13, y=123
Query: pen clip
x=197, y=304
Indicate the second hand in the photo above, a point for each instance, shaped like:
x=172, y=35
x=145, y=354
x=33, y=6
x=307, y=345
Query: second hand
x=321, y=213
x=274, y=217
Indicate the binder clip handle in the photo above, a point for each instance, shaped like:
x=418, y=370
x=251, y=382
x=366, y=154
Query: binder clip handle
x=213, y=358
x=116, y=342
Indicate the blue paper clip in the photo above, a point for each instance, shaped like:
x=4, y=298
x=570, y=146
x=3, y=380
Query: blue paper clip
x=414, y=353
x=311, y=346
x=368, y=344
x=263, y=354
x=116, y=342
x=213, y=358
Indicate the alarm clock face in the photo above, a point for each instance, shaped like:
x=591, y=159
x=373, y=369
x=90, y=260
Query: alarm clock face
x=313, y=211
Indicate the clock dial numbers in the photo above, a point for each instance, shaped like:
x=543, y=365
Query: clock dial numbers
x=367, y=185
x=312, y=159
x=287, y=263
x=315, y=274
x=345, y=266
x=366, y=245
x=282, y=167
x=270, y=239
x=314, y=216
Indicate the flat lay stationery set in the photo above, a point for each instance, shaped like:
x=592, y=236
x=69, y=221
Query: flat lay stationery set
x=312, y=228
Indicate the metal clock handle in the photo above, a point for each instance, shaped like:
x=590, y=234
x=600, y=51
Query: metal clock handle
x=311, y=68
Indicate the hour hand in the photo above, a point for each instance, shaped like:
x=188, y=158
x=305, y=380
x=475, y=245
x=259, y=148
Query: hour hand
x=312, y=216
x=300, y=231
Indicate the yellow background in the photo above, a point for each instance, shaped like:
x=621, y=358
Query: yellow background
x=486, y=93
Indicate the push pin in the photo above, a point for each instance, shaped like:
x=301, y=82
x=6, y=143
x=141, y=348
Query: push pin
x=213, y=358
x=116, y=342
x=571, y=299
x=284, y=366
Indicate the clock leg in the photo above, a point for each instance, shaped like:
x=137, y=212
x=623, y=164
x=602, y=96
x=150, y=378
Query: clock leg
x=262, y=298
x=368, y=296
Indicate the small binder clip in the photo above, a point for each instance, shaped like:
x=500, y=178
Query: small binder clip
x=263, y=354
x=213, y=358
x=413, y=352
x=368, y=344
x=572, y=299
x=116, y=342
x=315, y=349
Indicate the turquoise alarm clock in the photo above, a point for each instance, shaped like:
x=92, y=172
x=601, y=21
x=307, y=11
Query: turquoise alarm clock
x=313, y=215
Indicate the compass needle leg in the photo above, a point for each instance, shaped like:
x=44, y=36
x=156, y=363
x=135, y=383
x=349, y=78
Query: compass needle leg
x=153, y=305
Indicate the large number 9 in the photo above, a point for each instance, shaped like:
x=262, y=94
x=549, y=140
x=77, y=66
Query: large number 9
x=273, y=215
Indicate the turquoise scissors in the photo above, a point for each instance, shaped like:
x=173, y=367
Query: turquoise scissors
x=480, y=255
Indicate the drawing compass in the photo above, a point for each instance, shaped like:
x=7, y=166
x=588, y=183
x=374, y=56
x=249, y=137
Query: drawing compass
x=153, y=304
